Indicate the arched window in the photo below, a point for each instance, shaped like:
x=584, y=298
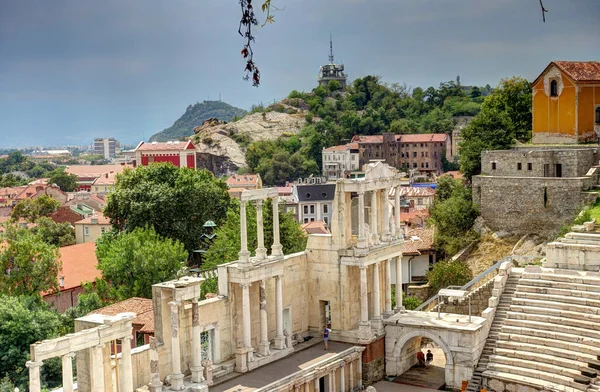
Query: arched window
x=598, y=115
x=554, y=88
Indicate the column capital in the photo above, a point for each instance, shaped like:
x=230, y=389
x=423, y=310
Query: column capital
x=128, y=337
x=70, y=355
x=245, y=285
x=195, y=300
x=33, y=364
x=174, y=304
x=259, y=202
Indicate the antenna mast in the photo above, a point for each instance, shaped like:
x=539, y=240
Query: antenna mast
x=330, y=50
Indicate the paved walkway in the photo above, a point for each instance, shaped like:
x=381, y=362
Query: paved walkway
x=279, y=369
x=433, y=376
x=384, y=386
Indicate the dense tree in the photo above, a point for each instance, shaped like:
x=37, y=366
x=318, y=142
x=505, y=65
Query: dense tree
x=65, y=181
x=505, y=116
x=133, y=261
x=175, y=201
x=32, y=209
x=58, y=234
x=448, y=273
x=23, y=321
x=31, y=264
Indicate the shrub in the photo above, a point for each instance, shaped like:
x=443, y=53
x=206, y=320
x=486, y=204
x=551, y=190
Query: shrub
x=448, y=273
x=411, y=302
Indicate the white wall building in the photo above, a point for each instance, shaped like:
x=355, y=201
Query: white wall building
x=108, y=147
x=315, y=202
x=339, y=160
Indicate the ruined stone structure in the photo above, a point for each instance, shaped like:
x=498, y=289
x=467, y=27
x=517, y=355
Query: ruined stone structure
x=535, y=190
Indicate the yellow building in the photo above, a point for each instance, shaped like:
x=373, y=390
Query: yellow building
x=89, y=229
x=566, y=103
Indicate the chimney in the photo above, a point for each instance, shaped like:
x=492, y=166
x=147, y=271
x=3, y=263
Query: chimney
x=94, y=219
x=105, y=175
x=61, y=281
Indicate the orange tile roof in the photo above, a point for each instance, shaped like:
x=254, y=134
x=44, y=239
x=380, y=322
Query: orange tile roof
x=454, y=174
x=95, y=170
x=416, y=191
x=423, y=138
x=105, y=179
x=580, y=71
x=102, y=220
x=162, y=146
x=316, y=227
x=142, y=307
x=367, y=139
x=242, y=180
x=418, y=240
x=343, y=147
x=422, y=215
x=79, y=264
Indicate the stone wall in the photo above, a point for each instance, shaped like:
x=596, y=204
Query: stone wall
x=422, y=292
x=576, y=251
x=373, y=358
x=524, y=205
x=479, y=301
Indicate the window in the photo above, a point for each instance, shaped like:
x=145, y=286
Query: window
x=414, y=154
x=554, y=88
x=102, y=229
x=558, y=170
x=305, y=220
x=86, y=230
x=427, y=165
x=325, y=220
x=206, y=344
x=139, y=339
x=306, y=209
x=529, y=166
x=312, y=219
x=426, y=154
x=325, y=209
x=422, y=154
x=519, y=166
x=493, y=165
x=312, y=209
x=419, y=201
x=415, y=165
x=598, y=115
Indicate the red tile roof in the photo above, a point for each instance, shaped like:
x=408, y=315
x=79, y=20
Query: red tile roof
x=416, y=191
x=418, y=241
x=142, y=307
x=343, y=147
x=95, y=170
x=367, y=139
x=162, y=146
x=316, y=227
x=102, y=220
x=416, y=216
x=243, y=180
x=79, y=264
x=580, y=71
x=454, y=174
x=423, y=138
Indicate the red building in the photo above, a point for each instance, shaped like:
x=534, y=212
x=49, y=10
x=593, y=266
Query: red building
x=180, y=154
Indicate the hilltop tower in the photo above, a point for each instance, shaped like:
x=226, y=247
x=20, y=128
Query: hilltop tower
x=332, y=71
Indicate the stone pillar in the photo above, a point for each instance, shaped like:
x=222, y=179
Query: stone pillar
x=362, y=240
x=342, y=377
x=263, y=347
x=35, y=384
x=155, y=383
x=359, y=369
x=317, y=384
x=279, y=338
x=261, y=251
x=332, y=381
x=244, y=255
x=386, y=235
x=376, y=299
x=126, y=373
x=398, y=232
x=246, y=331
x=307, y=387
x=176, y=375
x=399, y=306
x=208, y=369
x=364, y=325
x=276, y=248
x=374, y=224
x=388, y=289
x=67, y=372
x=196, y=368
x=97, y=374
x=352, y=374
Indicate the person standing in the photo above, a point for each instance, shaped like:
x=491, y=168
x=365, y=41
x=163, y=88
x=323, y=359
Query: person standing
x=421, y=358
x=429, y=357
x=326, y=336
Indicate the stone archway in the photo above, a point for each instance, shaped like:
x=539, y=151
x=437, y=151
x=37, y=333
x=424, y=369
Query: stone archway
x=405, y=358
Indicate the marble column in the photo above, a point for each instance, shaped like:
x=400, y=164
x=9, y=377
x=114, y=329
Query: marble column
x=35, y=384
x=388, y=289
x=398, y=232
x=279, y=338
x=359, y=369
x=386, y=235
x=196, y=368
x=263, y=347
x=399, y=305
x=244, y=255
x=352, y=374
x=376, y=299
x=276, y=248
x=364, y=325
x=332, y=381
x=317, y=384
x=97, y=368
x=67, y=372
x=155, y=383
x=246, y=323
x=362, y=240
x=307, y=387
x=176, y=375
x=374, y=224
x=342, y=377
x=126, y=374
x=261, y=251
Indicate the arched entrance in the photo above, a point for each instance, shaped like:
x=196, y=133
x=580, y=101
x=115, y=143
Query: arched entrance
x=405, y=355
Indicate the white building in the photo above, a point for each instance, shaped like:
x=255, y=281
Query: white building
x=340, y=160
x=315, y=202
x=419, y=197
x=108, y=147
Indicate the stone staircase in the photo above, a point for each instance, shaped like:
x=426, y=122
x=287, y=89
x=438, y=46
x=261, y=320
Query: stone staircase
x=499, y=320
x=550, y=334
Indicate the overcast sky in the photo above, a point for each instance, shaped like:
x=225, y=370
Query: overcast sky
x=71, y=70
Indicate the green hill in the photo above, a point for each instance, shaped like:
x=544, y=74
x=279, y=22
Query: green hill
x=194, y=116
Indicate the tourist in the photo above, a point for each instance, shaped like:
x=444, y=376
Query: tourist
x=421, y=358
x=326, y=336
x=429, y=358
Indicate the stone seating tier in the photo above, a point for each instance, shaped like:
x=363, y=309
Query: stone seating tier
x=560, y=285
x=534, y=381
x=546, y=350
x=537, y=376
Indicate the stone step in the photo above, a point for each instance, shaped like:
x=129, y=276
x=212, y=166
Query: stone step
x=559, y=298
x=521, y=380
x=588, y=325
x=569, y=354
x=575, y=367
x=534, y=363
x=542, y=310
x=575, y=278
x=563, y=336
x=556, y=305
x=543, y=341
x=555, y=379
x=560, y=285
x=557, y=291
x=554, y=328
